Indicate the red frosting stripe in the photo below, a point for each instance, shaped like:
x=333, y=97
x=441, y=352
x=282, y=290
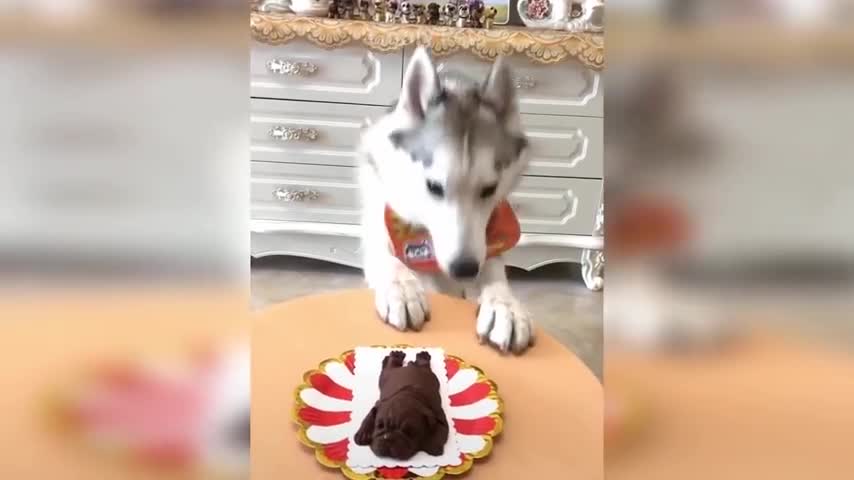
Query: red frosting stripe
x=475, y=392
x=337, y=451
x=323, y=418
x=478, y=426
x=396, y=472
x=350, y=361
x=452, y=366
x=328, y=387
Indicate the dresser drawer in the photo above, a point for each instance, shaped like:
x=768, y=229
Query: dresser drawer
x=300, y=70
x=564, y=146
x=304, y=193
x=566, y=88
x=557, y=205
x=305, y=132
x=314, y=193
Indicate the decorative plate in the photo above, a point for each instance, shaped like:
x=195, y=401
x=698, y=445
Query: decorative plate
x=321, y=410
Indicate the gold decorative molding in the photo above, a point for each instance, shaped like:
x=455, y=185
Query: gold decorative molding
x=541, y=46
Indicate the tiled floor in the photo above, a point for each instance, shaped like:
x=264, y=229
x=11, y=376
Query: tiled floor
x=555, y=294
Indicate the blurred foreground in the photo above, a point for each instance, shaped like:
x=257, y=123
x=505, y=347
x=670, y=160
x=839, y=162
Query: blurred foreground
x=728, y=305
x=123, y=239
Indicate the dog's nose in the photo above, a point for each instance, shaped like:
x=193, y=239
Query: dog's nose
x=464, y=268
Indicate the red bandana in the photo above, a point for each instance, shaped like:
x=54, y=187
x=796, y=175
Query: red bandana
x=414, y=247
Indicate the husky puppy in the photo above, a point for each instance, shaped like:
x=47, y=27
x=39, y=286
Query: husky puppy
x=443, y=158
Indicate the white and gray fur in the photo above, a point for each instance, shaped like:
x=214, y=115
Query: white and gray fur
x=464, y=136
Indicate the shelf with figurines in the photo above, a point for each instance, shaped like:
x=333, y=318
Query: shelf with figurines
x=467, y=14
x=391, y=25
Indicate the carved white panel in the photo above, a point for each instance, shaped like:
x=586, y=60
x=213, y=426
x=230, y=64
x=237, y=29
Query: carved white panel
x=307, y=132
x=564, y=146
x=299, y=70
x=304, y=193
x=557, y=205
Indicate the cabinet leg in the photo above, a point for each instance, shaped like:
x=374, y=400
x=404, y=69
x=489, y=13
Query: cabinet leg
x=593, y=261
x=592, y=268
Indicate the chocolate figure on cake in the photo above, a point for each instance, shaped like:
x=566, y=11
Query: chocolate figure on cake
x=332, y=12
x=408, y=417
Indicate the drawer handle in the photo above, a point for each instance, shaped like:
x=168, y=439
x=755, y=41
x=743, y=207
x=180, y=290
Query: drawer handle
x=288, y=134
x=285, y=195
x=281, y=66
x=525, y=82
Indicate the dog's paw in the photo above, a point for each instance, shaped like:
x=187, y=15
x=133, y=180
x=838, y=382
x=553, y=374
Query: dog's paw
x=403, y=302
x=502, y=321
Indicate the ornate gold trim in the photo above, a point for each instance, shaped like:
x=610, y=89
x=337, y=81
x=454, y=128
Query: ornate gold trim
x=540, y=46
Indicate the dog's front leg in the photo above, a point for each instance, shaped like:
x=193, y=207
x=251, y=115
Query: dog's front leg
x=399, y=296
x=501, y=319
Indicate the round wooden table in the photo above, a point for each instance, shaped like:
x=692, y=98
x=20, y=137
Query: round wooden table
x=553, y=403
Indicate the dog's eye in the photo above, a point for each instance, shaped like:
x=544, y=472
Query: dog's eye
x=488, y=191
x=381, y=425
x=435, y=189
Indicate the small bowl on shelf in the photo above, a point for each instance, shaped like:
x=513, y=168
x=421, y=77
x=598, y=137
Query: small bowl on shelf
x=310, y=8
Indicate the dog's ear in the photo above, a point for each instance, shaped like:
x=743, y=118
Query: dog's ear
x=420, y=84
x=434, y=442
x=365, y=434
x=499, y=91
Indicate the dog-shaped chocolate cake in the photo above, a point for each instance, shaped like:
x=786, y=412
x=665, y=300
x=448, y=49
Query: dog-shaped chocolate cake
x=408, y=417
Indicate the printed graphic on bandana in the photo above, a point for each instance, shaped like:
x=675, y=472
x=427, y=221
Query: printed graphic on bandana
x=414, y=247
x=421, y=251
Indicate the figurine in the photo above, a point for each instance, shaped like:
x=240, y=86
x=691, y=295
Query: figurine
x=463, y=16
x=379, y=10
x=390, y=11
x=433, y=13
x=333, y=9
x=407, y=13
x=449, y=13
x=489, y=17
x=364, y=9
x=420, y=16
x=345, y=8
x=476, y=9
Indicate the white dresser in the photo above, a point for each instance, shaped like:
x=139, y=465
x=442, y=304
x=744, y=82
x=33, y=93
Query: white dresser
x=309, y=104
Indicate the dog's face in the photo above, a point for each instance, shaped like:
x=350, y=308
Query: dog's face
x=405, y=8
x=403, y=427
x=464, y=11
x=460, y=148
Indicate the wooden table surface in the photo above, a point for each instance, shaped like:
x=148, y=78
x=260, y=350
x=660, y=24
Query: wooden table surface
x=553, y=403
